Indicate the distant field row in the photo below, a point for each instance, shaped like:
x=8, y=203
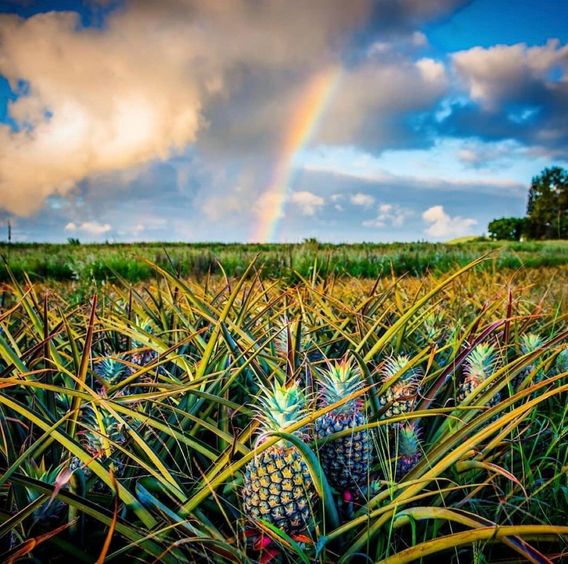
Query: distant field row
x=129, y=261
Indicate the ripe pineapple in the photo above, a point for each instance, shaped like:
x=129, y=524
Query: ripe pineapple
x=346, y=460
x=402, y=394
x=479, y=365
x=409, y=453
x=278, y=487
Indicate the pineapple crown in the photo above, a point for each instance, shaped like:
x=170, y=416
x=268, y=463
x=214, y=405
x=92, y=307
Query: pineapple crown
x=399, y=364
x=481, y=361
x=57, y=477
x=409, y=439
x=280, y=406
x=530, y=342
x=110, y=370
x=432, y=325
x=339, y=380
x=41, y=473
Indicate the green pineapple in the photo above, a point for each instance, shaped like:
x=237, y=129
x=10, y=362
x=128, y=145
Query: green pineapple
x=278, y=487
x=409, y=451
x=401, y=395
x=479, y=365
x=346, y=460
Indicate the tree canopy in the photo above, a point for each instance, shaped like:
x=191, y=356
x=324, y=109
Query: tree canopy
x=547, y=208
x=507, y=228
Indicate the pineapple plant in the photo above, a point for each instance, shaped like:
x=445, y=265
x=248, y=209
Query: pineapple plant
x=143, y=356
x=96, y=437
x=108, y=372
x=287, y=333
x=432, y=329
x=95, y=431
x=403, y=385
x=409, y=451
x=278, y=487
x=346, y=461
x=286, y=345
x=52, y=509
x=530, y=342
x=479, y=365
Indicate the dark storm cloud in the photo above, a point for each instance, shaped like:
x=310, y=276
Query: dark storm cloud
x=401, y=15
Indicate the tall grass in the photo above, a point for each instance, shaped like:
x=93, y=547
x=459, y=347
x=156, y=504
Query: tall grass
x=365, y=260
x=148, y=465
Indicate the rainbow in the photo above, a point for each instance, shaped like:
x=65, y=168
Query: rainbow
x=311, y=106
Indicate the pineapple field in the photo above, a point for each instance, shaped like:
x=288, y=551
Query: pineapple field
x=247, y=417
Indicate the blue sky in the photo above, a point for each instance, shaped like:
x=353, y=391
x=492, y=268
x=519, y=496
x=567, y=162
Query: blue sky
x=142, y=120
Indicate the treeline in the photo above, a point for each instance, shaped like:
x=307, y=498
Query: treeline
x=547, y=211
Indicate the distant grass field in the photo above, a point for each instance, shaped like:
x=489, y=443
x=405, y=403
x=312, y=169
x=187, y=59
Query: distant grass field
x=130, y=262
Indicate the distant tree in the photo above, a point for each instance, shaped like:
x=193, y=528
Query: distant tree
x=547, y=208
x=73, y=241
x=506, y=228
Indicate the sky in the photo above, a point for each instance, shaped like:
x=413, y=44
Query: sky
x=276, y=120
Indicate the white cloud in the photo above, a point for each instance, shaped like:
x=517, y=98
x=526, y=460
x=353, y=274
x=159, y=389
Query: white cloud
x=91, y=228
x=431, y=70
x=139, y=89
x=363, y=200
x=443, y=225
x=493, y=155
x=389, y=214
x=307, y=202
x=419, y=39
x=497, y=74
